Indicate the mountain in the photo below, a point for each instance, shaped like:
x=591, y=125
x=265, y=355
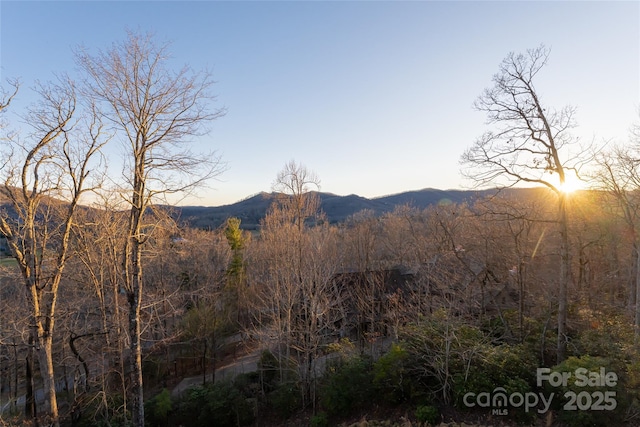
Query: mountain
x=249, y=210
x=337, y=208
x=253, y=209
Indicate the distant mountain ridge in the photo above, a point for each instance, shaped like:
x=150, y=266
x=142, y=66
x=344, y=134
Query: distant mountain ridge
x=337, y=208
x=253, y=209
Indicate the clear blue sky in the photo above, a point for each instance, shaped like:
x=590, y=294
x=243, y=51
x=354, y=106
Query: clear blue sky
x=375, y=97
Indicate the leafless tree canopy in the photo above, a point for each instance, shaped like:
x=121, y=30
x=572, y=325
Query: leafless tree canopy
x=295, y=185
x=296, y=179
x=157, y=112
x=618, y=177
x=43, y=178
x=529, y=141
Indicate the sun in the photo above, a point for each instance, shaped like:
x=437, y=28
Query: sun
x=571, y=184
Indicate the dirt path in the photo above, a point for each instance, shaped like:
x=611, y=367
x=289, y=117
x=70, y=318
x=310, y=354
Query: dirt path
x=242, y=365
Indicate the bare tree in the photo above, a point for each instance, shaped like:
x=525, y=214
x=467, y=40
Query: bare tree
x=44, y=178
x=292, y=265
x=511, y=232
x=618, y=174
x=530, y=144
x=7, y=96
x=199, y=262
x=98, y=267
x=156, y=112
x=295, y=185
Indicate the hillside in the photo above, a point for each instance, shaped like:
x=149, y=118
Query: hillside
x=337, y=208
x=253, y=209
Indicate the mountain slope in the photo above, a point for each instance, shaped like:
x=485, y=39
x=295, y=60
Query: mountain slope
x=337, y=208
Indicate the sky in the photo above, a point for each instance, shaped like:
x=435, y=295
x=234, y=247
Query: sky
x=376, y=97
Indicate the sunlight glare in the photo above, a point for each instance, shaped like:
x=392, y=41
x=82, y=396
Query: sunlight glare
x=571, y=184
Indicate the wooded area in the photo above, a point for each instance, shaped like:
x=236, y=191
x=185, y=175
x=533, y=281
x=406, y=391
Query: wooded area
x=108, y=302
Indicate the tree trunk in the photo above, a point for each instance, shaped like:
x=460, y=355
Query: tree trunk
x=204, y=362
x=45, y=361
x=119, y=338
x=637, y=290
x=85, y=366
x=214, y=363
x=29, y=400
x=14, y=389
x=520, y=273
x=565, y=277
x=137, y=395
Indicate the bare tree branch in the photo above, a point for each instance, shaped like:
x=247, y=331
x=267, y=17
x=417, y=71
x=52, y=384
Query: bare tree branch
x=529, y=145
x=156, y=112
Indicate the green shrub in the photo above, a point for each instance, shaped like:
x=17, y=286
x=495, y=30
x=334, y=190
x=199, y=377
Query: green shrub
x=319, y=420
x=220, y=404
x=447, y=358
x=248, y=384
x=575, y=400
x=157, y=409
x=345, y=348
x=109, y=412
x=608, y=336
x=346, y=386
x=285, y=399
x=510, y=367
x=437, y=349
x=427, y=414
x=390, y=375
x=632, y=386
